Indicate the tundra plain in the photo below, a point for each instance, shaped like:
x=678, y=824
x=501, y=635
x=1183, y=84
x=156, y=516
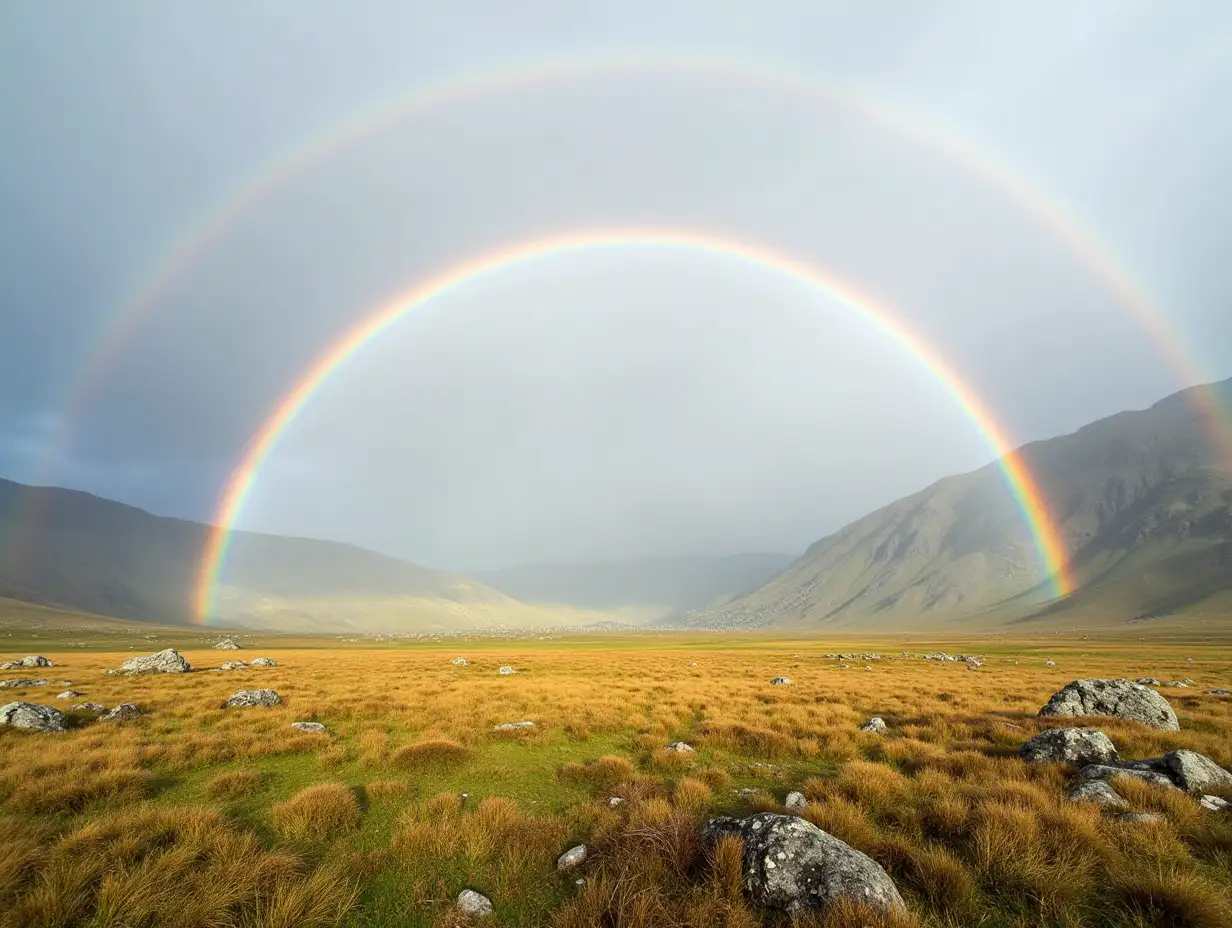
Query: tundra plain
x=198, y=815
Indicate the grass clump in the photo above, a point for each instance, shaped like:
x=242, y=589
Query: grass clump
x=434, y=753
x=318, y=812
x=234, y=784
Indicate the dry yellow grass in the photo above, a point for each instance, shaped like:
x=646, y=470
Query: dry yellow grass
x=119, y=824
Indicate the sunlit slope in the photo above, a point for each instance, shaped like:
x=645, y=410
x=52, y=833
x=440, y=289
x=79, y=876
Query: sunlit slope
x=79, y=551
x=1142, y=499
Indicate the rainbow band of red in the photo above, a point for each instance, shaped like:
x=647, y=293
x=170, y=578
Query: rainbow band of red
x=1044, y=533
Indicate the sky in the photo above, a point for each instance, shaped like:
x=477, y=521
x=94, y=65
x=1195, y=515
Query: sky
x=186, y=223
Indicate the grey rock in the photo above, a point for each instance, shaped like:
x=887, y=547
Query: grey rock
x=781, y=681
x=1194, y=772
x=1141, y=818
x=1218, y=692
x=795, y=800
x=233, y=665
x=506, y=671
x=1215, y=804
x=68, y=694
x=168, y=661
x=35, y=718
x=791, y=865
x=513, y=726
x=89, y=707
x=574, y=857
x=1105, y=772
x=313, y=727
x=876, y=725
x=474, y=904
x=680, y=747
x=1050, y=663
x=1069, y=746
x=1098, y=792
x=248, y=698
x=1148, y=681
x=124, y=712
x=615, y=801
x=1120, y=698
x=460, y=662
x=263, y=662
x=1177, y=684
x=227, y=644
x=31, y=660
x=20, y=684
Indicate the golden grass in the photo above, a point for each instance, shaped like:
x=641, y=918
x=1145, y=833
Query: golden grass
x=99, y=825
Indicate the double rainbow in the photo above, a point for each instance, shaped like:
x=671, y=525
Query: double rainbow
x=1043, y=530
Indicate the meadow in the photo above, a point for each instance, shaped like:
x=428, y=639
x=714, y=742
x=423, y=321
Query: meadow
x=196, y=815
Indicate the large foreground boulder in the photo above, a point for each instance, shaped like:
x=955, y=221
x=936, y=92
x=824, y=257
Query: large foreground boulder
x=791, y=864
x=246, y=699
x=168, y=661
x=1079, y=746
x=1123, y=699
x=35, y=718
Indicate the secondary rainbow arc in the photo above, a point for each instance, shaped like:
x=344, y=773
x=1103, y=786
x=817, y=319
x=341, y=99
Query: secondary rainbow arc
x=1045, y=535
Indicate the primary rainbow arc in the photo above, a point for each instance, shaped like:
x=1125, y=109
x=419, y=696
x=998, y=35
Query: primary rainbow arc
x=1045, y=535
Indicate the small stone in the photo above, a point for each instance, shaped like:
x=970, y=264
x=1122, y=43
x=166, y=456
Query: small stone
x=1050, y=663
x=574, y=857
x=1218, y=692
x=124, y=712
x=1215, y=804
x=89, y=707
x=32, y=717
x=615, y=801
x=781, y=681
x=245, y=699
x=506, y=671
x=315, y=728
x=1099, y=793
x=513, y=726
x=876, y=725
x=460, y=662
x=474, y=904
x=680, y=747
x=263, y=662
x=233, y=665
x=69, y=694
x=795, y=801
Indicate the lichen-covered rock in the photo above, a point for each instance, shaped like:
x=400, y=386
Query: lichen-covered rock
x=1120, y=698
x=35, y=718
x=245, y=699
x=232, y=665
x=795, y=801
x=263, y=662
x=227, y=644
x=124, y=712
x=1099, y=793
x=790, y=865
x=473, y=904
x=315, y=728
x=168, y=661
x=876, y=725
x=1215, y=804
x=30, y=660
x=1106, y=772
x=89, y=707
x=679, y=747
x=20, y=684
x=574, y=857
x=1079, y=746
x=1194, y=772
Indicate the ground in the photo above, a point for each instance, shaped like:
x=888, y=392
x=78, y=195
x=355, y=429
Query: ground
x=200, y=815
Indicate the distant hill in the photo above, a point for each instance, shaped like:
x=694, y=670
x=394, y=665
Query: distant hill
x=657, y=584
x=1143, y=501
x=103, y=557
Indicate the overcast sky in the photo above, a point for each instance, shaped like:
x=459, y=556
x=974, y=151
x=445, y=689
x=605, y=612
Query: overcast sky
x=622, y=401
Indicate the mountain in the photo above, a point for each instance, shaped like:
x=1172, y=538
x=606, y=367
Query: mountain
x=1142, y=500
x=655, y=586
x=98, y=556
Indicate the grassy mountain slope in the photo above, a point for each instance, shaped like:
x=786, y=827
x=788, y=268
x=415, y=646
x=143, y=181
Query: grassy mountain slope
x=1142, y=500
x=98, y=556
x=663, y=584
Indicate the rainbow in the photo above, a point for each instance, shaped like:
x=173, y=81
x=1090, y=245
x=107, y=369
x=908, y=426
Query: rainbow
x=930, y=134
x=1044, y=533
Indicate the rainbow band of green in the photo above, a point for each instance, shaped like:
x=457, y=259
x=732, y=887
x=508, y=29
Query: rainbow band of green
x=1044, y=533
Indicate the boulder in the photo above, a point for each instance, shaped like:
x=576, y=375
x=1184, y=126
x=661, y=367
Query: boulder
x=473, y=904
x=1148, y=681
x=791, y=865
x=506, y=671
x=1079, y=746
x=1215, y=804
x=680, y=747
x=35, y=718
x=1194, y=772
x=315, y=728
x=168, y=661
x=876, y=725
x=233, y=665
x=795, y=801
x=88, y=707
x=124, y=712
x=69, y=694
x=1098, y=792
x=227, y=644
x=513, y=726
x=263, y=662
x=30, y=660
x=460, y=662
x=781, y=681
x=20, y=684
x=1106, y=772
x=248, y=698
x=574, y=857
x=1119, y=698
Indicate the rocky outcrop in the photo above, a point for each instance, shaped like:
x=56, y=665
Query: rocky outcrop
x=1079, y=746
x=168, y=661
x=32, y=717
x=792, y=865
x=1122, y=699
x=245, y=699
